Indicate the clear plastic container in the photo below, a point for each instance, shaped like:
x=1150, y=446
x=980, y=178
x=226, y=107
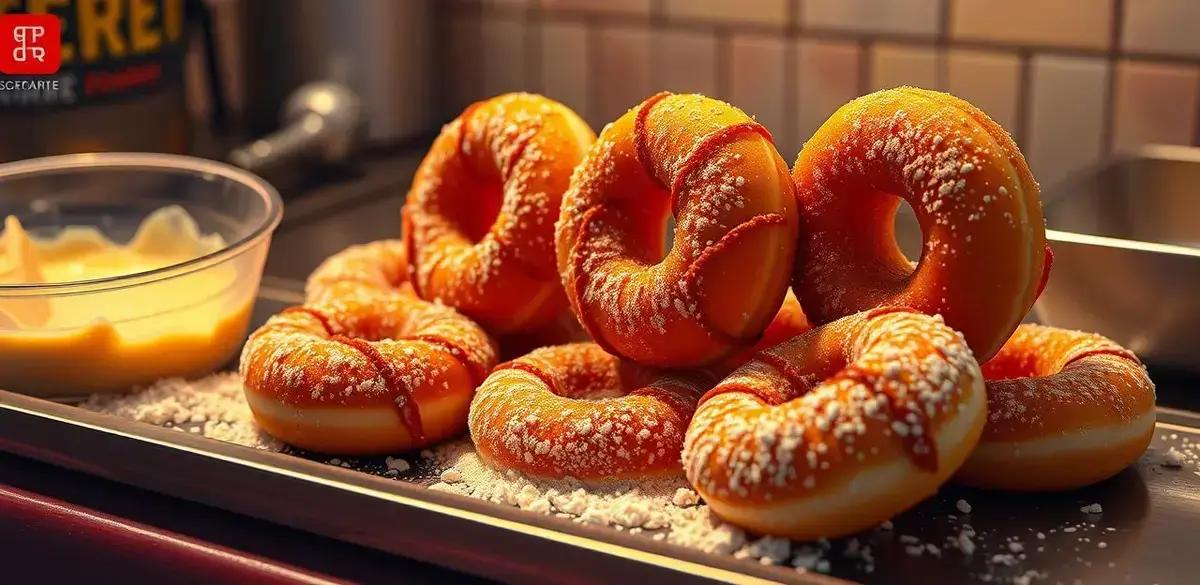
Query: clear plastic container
x=113, y=333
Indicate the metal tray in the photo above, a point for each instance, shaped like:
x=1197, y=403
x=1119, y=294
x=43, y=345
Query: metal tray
x=1148, y=510
x=1126, y=238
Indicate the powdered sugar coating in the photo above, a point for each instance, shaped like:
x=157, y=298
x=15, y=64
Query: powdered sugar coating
x=479, y=217
x=364, y=349
x=715, y=170
x=577, y=411
x=1046, y=380
x=806, y=417
x=380, y=266
x=978, y=206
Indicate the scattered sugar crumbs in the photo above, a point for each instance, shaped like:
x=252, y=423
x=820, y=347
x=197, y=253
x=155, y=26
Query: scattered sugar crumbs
x=665, y=509
x=213, y=406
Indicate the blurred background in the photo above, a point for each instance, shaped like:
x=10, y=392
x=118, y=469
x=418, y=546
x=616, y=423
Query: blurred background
x=335, y=103
x=1073, y=80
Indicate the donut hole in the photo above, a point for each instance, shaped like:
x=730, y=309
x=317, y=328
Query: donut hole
x=907, y=231
x=481, y=209
x=668, y=240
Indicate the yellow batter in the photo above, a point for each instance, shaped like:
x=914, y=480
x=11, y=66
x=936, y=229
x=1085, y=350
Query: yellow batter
x=66, y=344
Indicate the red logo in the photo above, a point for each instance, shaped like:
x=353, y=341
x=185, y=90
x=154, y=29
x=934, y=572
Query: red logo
x=30, y=44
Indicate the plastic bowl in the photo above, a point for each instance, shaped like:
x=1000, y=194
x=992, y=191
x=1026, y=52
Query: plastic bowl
x=115, y=333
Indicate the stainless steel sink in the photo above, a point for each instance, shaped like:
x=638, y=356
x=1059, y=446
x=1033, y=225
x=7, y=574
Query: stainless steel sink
x=1126, y=239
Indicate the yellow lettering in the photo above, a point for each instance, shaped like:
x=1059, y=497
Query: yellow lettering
x=173, y=19
x=45, y=6
x=144, y=36
x=97, y=24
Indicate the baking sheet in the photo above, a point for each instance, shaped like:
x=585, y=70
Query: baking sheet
x=1150, y=512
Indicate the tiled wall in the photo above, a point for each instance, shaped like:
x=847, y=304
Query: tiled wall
x=1072, y=80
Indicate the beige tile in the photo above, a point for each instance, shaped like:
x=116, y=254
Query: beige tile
x=1155, y=103
x=990, y=80
x=893, y=65
x=915, y=17
x=1162, y=26
x=623, y=77
x=564, y=64
x=1067, y=23
x=466, y=62
x=503, y=41
x=756, y=83
x=827, y=75
x=769, y=12
x=685, y=61
x=640, y=7
x=1066, y=116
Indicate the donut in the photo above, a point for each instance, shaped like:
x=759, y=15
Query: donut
x=365, y=374
x=380, y=266
x=839, y=428
x=1065, y=409
x=788, y=322
x=479, y=219
x=577, y=411
x=717, y=172
x=984, y=258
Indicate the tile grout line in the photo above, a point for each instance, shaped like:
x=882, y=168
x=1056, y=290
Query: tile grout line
x=792, y=81
x=724, y=59
x=533, y=47
x=1024, y=100
x=942, y=45
x=1108, y=131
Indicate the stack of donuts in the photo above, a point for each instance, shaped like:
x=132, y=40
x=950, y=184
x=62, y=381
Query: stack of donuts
x=811, y=412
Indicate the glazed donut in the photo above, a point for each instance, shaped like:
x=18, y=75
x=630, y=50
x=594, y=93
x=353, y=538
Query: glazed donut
x=717, y=171
x=1065, y=409
x=479, y=219
x=839, y=428
x=380, y=266
x=365, y=374
x=789, y=322
x=576, y=411
x=984, y=258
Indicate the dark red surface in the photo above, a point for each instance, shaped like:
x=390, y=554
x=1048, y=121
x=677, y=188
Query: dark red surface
x=57, y=525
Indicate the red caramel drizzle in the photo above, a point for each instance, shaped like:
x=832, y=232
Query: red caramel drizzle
x=321, y=318
x=690, y=276
x=1045, y=271
x=639, y=133
x=410, y=412
x=462, y=127
x=704, y=148
x=478, y=372
x=800, y=382
x=579, y=282
x=762, y=394
x=1118, y=352
x=922, y=450
x=532, y=370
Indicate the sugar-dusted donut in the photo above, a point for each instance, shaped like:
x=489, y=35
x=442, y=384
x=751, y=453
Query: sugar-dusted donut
x=363, y=374
x=575, y=410
x=1065, y=409
x=717, y=171
x=839, y=428
x=984, y=258
x=380, y=266
x=479, y=219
